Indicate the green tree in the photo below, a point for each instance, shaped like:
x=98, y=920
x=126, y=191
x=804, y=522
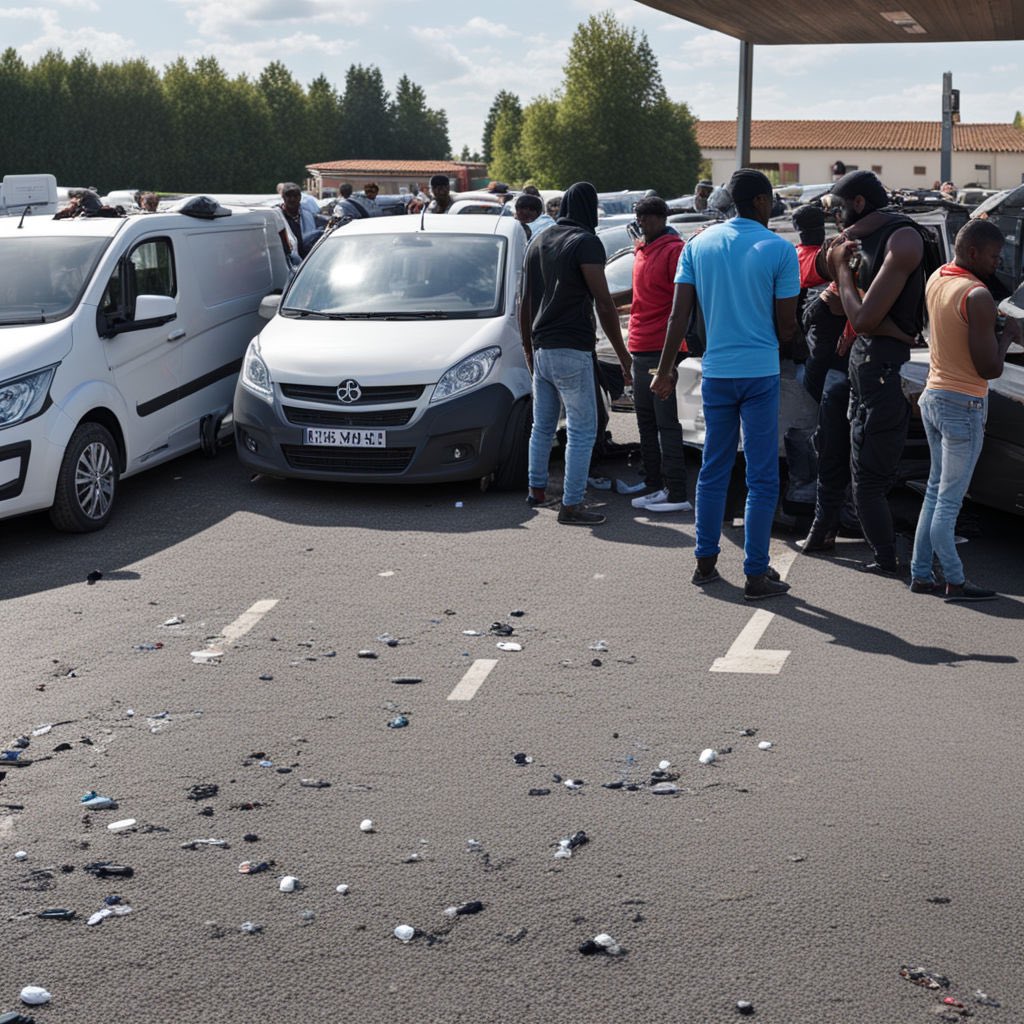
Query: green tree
x=507, y=163
x=539, y=145
x=289, y=134
x=1018, y=120
x=17, y=109
x=504, y=102
x=417, y=132
x=365, y=125
x=324, y=133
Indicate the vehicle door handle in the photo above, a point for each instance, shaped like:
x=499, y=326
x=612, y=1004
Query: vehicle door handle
x=177, y=335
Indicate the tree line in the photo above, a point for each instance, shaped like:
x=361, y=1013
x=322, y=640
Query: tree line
x=126, y=124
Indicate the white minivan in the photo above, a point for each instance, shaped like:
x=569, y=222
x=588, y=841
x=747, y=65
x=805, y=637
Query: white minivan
x=394, y=357
x=120, y=343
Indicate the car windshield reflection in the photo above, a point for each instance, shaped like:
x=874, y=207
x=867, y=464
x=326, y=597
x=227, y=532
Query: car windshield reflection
x=44, y=280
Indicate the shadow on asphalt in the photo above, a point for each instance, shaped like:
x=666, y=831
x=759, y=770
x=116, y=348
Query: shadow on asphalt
x=859, y=636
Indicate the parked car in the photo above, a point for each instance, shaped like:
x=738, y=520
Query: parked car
x=120, y=342
x=394, y=356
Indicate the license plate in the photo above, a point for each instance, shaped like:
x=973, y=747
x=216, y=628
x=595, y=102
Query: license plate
x=341, y=437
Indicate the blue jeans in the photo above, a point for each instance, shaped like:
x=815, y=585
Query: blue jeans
x=563, y=376
x=752, y=402
x=955, y=426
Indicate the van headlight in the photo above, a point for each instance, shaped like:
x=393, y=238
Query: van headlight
x=255, y=375
x=466, y=374
x=23, y=397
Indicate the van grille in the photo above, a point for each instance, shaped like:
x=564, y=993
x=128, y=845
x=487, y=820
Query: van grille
x=370, y=396
x=348, y=460
x=330, y=418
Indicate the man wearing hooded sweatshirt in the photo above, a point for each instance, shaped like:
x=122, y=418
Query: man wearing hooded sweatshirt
x=882, y=292
x=747, y=281
x=562, y=281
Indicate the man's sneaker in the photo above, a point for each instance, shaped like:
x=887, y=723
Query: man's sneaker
x=967, y=591
x=669, y=506
x=819, y=538
x=760, y=587
x=706, y=572
x=577, y=515
x=879, y=569
x=923, y=586
x=646, y=499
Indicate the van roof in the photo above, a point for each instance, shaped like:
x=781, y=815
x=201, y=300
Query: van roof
x=107, y=227
x=433, y=223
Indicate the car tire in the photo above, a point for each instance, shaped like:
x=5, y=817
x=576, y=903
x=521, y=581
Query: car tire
x=87, y=482
x=511, y=473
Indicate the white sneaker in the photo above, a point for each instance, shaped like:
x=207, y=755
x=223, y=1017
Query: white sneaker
x=669, y=506
x=645, y=500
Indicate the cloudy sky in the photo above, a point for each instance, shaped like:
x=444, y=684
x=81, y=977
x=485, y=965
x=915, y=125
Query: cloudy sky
x=462, y=57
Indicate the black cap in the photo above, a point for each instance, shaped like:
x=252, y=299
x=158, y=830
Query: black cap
x=809, y=218
x=747, y=183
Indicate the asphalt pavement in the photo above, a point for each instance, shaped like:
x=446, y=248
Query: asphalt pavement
x=882, y=828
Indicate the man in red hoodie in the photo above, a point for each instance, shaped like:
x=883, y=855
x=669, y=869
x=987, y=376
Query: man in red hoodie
x=661, y=436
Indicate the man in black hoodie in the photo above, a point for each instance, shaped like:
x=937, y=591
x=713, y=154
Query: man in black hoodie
x=562, y=281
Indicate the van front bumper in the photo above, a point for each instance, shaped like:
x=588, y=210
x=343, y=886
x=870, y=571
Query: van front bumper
x=459, y=439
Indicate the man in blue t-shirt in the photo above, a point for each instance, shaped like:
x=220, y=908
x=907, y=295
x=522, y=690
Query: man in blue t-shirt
x=747, y=281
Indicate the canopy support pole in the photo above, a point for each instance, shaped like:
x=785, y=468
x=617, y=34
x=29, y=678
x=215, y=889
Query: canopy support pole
x=744, y=104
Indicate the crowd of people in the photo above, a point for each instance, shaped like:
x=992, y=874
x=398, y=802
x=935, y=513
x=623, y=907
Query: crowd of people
x=739, y=287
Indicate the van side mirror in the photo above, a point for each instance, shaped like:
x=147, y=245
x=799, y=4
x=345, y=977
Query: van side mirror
x=153, y=310
x=269, y=305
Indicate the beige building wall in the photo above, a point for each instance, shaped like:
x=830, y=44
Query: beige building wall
x=897, y=168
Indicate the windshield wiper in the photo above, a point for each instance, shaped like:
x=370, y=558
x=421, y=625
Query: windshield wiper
x=296, y=311
x=22, y=315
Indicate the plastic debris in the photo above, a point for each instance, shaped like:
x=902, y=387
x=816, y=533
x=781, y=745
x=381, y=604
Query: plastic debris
x=708, y=756
x=251, y=928
x=748, y=732
x=387, y=638
x=207, y=656
x=940, y=900
x=366, y=654
x=249, y=867
x=573, y=842
x=984, y=999
x=617, y=784
x=522, y=759
x=123, y=825
x=35, y=995
x=289, y=884
x=174, y=620
x=923, y=977
x=765, y=745
x=56, y=914
x=407, y=680
x=21, y=855
x=501, y=629
x=602, y=943
x=745, y=1007
x=508, y=645
x=16, y=1018
x=314, y=783
x=94, y=802
x=405, y=933
x=41, y=730
x=472, y=632
x=539, y=792
x=341, y=889
x=93, y=577
x=148, y=647
x=14, y=756
x=106, y=869
x=621, y=487
x=194, y=844
x=367, y=825
x=517, y=613
x=413, y=858
x=663, y=766
x=664, y=789
x=601, y=646
x=573, y=783
x=398, y=722
x=472, y=907
x=105, y=912
x=250, y=837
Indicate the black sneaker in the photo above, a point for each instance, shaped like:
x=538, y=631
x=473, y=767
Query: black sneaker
x=879, y=569
x=760, y=587
x=705, y=571
x=817, y=540
x=923, y=586
x=577, y=515
x=967, y=591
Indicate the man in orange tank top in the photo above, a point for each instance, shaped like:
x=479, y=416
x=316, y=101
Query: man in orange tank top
x=966, y=352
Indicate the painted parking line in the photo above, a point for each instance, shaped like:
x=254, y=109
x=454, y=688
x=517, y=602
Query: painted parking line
x=744, y=655
x=472, y=680
x=214, y=649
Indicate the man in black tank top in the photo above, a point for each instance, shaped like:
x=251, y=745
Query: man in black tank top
x=877, y=263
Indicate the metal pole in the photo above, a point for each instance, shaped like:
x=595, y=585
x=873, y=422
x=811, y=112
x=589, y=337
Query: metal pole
x=744, y=104
x=946, y=161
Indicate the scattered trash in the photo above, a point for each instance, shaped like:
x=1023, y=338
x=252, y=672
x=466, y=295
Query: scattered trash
x=248, y=867
x=539, y=792
x=924, y=978
x=102, y=915
x=289, y=884
x=93, y=577
x=16, y=1018
x=941, y=900
x=573, y=783
x=207, y=656
x=251, y=928
x=196, y=843
x=508, y=645
x=203, y=791
x=122, y=826
x=41, y=730
x=148, y=647
x=21, y=742
x=398, y=722
x=35, y=995
x=501, y=629
x=14, y=756
x=663, y=766
x=266, y=678
x=596, y=662
x=708, y=756
x=341, y=889
x=407, y=680
x=472, y=632
x=387, y=638
x=250, y=837
x=522, y=759
x=174, y=620
x=748, y=732
x=797, y=858
x=472, y=907
x=744, y=1008
x=664, y=789
x=765, y=745
x=518, y=613
x=314, y=783
x=106, y=869
x=367, y=825
x=617, y=784
x=602, y=943
x=56, y=914
x=21, y=855
x=405, y=933
x=366, y=654
x=94, y=802
x=573, y=842
x=601, y=646
x=983, y=999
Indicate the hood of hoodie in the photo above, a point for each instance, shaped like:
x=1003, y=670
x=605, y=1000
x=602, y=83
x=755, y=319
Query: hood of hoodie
x=579, y=206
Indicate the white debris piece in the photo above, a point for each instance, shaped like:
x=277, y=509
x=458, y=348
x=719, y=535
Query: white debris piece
x=122, y=825
x=405, y=933
x=341, y=889
x=599, y=645
x=663, y=766
x=35, y=995
x=174, y=620
x=288, y=884
x=708, y=756
x=509, y=645
x=366, y=825
x=765, y=745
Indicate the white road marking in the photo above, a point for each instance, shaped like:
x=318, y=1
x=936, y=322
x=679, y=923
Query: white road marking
x=474, y=677
x=247, y=620
x=744, y=656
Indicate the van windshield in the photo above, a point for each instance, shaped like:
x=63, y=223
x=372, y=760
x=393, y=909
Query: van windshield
x=42, y=279
x=406, y=276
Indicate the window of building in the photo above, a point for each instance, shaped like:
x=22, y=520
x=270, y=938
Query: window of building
x=920, y=171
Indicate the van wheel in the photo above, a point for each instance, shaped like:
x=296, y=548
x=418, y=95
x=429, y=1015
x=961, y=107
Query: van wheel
x=511, y=474
x=87, y=483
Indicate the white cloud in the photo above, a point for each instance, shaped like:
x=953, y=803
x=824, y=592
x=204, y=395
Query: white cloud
x=216, y=19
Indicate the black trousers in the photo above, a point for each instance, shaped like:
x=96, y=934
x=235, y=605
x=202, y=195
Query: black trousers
x=879, y=414
x=832, y=444
x=661, y=436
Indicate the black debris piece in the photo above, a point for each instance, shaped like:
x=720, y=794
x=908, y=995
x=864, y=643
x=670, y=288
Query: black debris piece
x=539, y=792
x=93, y=577
x=521, y=758
x=367, y=654
x=204, y=791
x=106, y=869
x=407, y=680
x=617, y=784
x=501, y=629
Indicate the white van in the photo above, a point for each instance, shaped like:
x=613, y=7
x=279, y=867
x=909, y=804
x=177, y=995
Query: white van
x=394, y=356
x=120, y=342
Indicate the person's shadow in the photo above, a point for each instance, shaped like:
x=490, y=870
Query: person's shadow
x=859, y=636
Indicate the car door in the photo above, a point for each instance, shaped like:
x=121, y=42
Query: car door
x=144, y=356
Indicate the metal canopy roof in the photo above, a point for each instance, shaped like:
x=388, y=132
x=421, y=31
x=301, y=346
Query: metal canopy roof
x=854, y=21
